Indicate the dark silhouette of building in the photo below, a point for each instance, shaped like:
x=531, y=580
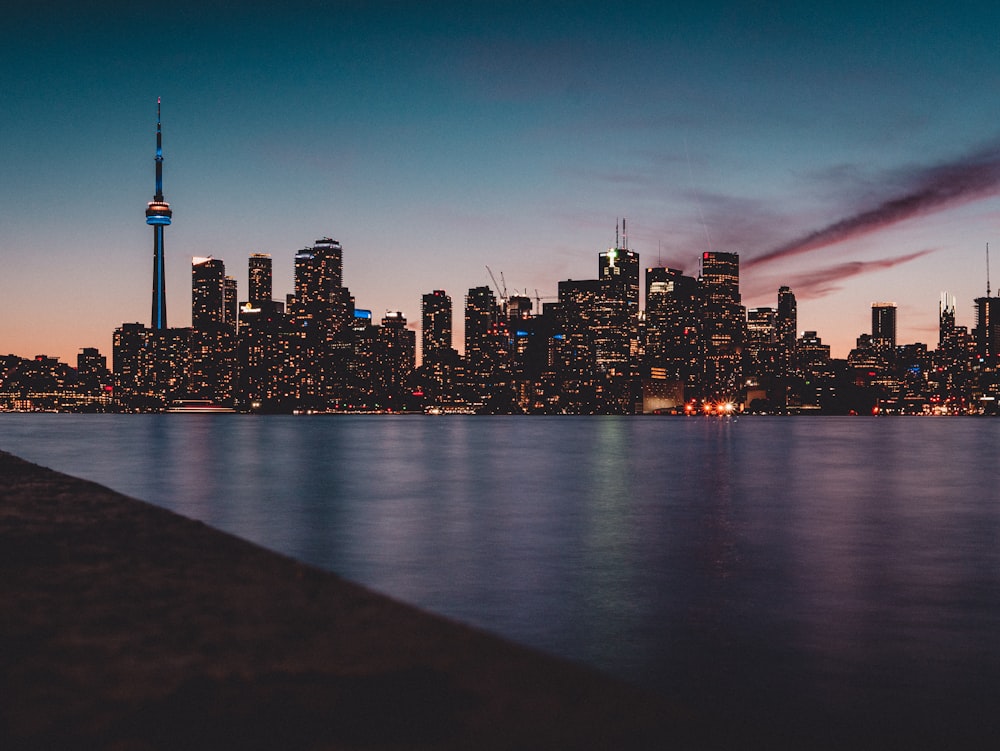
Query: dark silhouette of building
x=440, y=368
x=487, y=354
x=723, y=320
x=786, y=323
x=208, y=292
x=396, y=359
x=260, y=292
x=988, y=330
x=884, y=325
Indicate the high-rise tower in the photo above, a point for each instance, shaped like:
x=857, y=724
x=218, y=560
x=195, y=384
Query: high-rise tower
x=723, y=324
x=158, y=215
x=884, y=325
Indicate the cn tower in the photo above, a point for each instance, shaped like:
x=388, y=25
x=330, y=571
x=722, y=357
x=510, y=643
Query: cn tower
x=158, y=215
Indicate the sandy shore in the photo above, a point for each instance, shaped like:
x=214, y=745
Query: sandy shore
x=125, y=626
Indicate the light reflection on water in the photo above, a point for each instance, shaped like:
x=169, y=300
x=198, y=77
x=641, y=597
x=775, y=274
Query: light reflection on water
x=845, y=567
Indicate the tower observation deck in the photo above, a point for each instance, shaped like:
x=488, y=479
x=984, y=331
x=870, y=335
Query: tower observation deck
x=158, y=216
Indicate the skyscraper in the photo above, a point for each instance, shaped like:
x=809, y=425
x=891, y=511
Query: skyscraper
x=208, y=292
x=622, y=265
x=435, y=333
x=988, y=329
x=723, y=324
x=946, y=321
x=158, y=216
x=440, y=364
x=487, y=344
x=230, y=303
x=673, y=323
x=260, y=279
x=884, y=325
x=786, y=323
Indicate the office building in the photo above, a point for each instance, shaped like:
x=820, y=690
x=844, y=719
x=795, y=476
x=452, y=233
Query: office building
x=786, y=324
x=208, y=293
x=884, y=326
x=723, y=320
x=988, y=330
x=436, y=331
x=259, y=277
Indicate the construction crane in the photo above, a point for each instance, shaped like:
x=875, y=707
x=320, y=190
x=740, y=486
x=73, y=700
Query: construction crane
x=501, y=290
x=538, y=301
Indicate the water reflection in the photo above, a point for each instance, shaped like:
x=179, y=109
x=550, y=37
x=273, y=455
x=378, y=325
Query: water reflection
x=846, y=567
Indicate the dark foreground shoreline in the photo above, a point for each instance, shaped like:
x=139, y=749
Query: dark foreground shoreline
x=125, y=626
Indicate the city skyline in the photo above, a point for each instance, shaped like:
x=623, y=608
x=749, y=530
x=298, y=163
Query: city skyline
x=430, y=148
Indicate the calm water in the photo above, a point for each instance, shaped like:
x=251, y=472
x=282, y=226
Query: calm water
x=846, y=571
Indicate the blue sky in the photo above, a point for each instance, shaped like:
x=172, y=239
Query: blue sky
x=855, y=149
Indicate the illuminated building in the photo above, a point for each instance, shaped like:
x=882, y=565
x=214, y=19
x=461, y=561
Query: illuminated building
x=321, y=314
x=813, y=354
x=574, y=355
x=760, y=351
x=150, y=366
x=518, y=308
x=262, y=347
x=260, y=285
x=230, y=303
x=158, y=216
x=988, y=329
x=436, y=331
x=884, y=325
x=208, y=293
x=439, y=360
x=212, y=364
x=621, y=265
x=786, y=322
x=487, y=346
x=397, y=351
x=673, y=322
x=723, y=322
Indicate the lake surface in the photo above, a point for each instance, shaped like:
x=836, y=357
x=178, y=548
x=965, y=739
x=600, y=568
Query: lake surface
x=841, y=572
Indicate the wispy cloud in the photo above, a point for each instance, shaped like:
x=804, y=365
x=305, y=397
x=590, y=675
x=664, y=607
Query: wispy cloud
x=827, y=280
x=924, y=190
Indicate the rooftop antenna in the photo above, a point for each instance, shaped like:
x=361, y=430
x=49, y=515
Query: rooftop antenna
x=987, y=269
x=616, y=232
x=624, y=235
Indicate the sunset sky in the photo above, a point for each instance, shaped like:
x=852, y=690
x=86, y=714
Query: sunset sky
x=851, y=151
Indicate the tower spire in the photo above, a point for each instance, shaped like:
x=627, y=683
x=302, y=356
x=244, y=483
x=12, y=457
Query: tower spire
x=158, y=196
x=158, y=215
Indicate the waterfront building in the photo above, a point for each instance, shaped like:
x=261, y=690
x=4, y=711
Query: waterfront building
x=723, y=321
x=620, y=264
x=988, y=330
x=397, y=350
x=487, y=347
x=440, y=367
x=786, y=325
x=814, y=356
x=92, y=371
x=259, y=279
x=518, y=309
x=761, y=352
x=673, y=323
x=132, y=363
x=436, y=331
x=208, y=293
x=230, y=302
x=884, y=326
